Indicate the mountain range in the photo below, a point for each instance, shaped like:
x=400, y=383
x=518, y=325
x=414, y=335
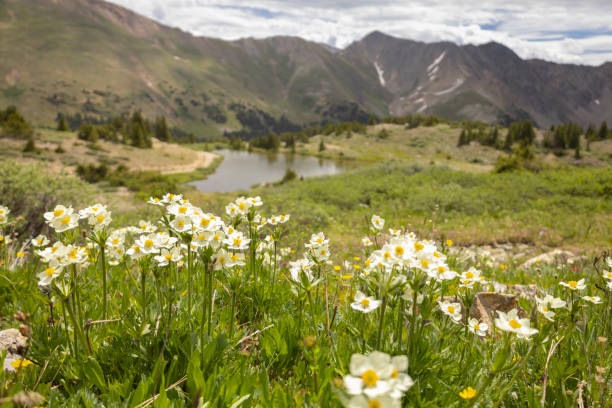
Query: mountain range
x=98, y=59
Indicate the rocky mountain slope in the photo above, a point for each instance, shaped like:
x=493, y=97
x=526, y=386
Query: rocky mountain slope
x=93, y=58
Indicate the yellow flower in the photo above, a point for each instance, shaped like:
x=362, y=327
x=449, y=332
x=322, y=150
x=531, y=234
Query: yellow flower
x=357, y=258
x=337, y=267
x=502, y=266
x=356, y=266
x=347, y=277
x=449, y=242
x=20, y=362
x=183, y=293
x=20, y=254
x=468, y=393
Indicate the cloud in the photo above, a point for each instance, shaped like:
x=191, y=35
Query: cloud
x=561, y=31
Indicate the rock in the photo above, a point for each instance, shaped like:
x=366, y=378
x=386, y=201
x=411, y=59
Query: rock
x=528, y=292
x=15, y=345
x=556, y=256
x=486, y=303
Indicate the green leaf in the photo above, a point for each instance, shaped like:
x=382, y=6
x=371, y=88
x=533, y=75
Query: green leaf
x=93, y=372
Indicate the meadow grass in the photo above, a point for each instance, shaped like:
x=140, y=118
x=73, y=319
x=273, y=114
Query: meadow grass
x=569, y=207
x=226, y=316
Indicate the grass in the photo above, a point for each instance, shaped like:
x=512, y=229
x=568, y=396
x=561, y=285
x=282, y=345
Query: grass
x=567, y=208
x=261, y=333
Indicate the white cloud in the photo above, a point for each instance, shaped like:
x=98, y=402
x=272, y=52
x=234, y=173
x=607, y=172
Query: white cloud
x=575, y=31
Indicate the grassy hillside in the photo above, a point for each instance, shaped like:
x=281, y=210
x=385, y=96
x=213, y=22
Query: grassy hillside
x=95, y=58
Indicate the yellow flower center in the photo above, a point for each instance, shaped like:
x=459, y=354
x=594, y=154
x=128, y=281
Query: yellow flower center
x=425, y=263
x=387, y=255
x=451, y=309
x=319, y=240
x=237, y=241
x=148, y=243
x=168, y=257
x=204, y=222
x=49, y=271
x=469, y=275
x=181, y=223
x=476, y=326
x=370, y=378
x=234, y=258
x=374, y=403
x=221, y=259
x=515, y=324
x=20, y=254
x=242, y=206
x=395, y=373
x=365, y=302
x=545, y=310
x=468, y=393
x=182, y=210
x=40, y=241
x=441, y=269
x=57, y=213
x=437, y=255
x=573, y=284
x=418, y=246
x=66, y=220
x=100, y=219
x=609, y=274
x=216, y=237
x=399, y=250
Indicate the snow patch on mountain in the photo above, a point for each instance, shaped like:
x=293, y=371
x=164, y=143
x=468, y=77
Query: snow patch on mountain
x=380, y=72
x=436, y=62
x=456, y=85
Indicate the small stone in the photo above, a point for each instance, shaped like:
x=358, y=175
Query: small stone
x=14, y=343
x=556, y=256
x=486, y=303
x=528, y=292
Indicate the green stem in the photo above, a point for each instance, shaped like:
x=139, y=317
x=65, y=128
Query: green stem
x=73, y=352
x=210, y=303
x=104, y=290
x=412, y=323
x=399, y=331
x=77, y=327
x=381, y=324
x=232, y=315
x=189, y=272
x=143, y=293
x=312, y=311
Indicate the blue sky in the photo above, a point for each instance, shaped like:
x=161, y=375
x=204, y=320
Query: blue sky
x=562, y=30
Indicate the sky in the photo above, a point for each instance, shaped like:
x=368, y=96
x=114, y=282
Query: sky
x=567, y=31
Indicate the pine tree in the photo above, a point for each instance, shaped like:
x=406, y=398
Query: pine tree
x=321, y=145
x=62, y=125
x=372, y=120
x=161, y=129
x=603, y=131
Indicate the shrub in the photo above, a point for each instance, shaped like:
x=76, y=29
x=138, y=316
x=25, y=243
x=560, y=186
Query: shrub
x=30, y=190
x=507, y=163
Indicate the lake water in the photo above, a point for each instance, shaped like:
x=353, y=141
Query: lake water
x=241, y=170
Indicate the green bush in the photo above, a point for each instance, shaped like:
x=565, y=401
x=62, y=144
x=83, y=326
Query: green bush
x=30, y=190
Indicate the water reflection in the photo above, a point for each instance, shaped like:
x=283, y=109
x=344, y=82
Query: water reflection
x=242, y=170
